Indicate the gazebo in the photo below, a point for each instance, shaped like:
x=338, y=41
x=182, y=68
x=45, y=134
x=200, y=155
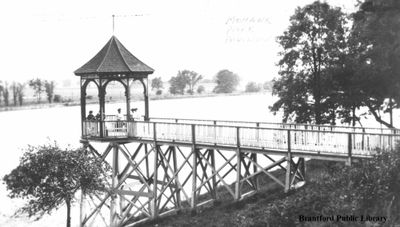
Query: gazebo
x=112, y=63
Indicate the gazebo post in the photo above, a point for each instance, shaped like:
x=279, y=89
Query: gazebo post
x=128, y=100
x=102, y=95
x=146, y=99
x=83, y=104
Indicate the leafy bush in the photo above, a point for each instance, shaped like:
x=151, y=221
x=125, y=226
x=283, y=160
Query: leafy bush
x=268, y=85
x=227, y=81
x=156, y=83
x=200, y=89
x=371, y=187
x=159, y=92
x=253, y=87
x=57, y=98
x=49, y=176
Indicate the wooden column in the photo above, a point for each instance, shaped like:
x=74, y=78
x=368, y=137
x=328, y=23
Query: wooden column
x=214, y=178
x=114, y=183
x=194, y=169
x=349, y=149
x=255, y=169
x=128, y=100
x=82, y=210
x=178, y=191
x=147, y=169
x=289, y=163
x=303, y=168
x=154, y=207
x=83, y=104
x=238, y=165
x=146, y=98
x=102, y=95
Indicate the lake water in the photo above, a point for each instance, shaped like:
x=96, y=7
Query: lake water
x=62, y=124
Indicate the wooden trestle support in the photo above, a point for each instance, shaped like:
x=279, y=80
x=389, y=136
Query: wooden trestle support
x=150, y=179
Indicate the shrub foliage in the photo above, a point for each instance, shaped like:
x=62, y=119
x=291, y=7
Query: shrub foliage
x=371, y=187
x=47, y=176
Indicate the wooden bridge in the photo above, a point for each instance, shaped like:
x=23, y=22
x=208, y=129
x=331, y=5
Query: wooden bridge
x=160, y=165
x=231, y=154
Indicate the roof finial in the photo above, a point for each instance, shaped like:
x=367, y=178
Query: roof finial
x=113, y=17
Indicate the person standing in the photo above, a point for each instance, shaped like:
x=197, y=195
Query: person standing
x=132, y=126
x=119, y=115
x=90, y=117
x=91, y=126
x=98, y=116
x=134, y=114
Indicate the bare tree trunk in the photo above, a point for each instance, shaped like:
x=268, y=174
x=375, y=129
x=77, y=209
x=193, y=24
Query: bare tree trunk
x=68, y=202
x=391, y=111
x=377, y=117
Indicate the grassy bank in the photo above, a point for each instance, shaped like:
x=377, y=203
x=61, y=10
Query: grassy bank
x=249, y=211
x=367, y=189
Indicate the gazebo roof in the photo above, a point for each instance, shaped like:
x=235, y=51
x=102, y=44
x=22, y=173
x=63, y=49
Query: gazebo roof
x=113, y=58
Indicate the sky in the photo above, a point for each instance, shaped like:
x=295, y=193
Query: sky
x=50, y=39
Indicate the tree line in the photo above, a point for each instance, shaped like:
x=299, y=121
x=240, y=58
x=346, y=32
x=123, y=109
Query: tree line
x=186, y=81
x=335, y=66
x=17, y=90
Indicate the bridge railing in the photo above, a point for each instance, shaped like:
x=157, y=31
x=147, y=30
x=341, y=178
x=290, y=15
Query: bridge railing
x=279, y=125
x=276, y=139
x=355, y=143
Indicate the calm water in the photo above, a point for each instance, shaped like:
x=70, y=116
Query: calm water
x=62, y=124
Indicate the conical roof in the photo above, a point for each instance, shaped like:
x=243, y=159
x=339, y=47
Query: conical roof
x=113, y=58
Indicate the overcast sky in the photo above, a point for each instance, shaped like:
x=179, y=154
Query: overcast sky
x=50, y=39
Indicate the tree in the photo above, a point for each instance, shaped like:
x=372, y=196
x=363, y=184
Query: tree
x=156, y=83
x=179, y=83
x=193, y=79
x=57, y=98
x=6, y=94
x=227, y=81
x=49, y=88
x=252, y=87
x=14, y=88
x=267, y=85
x=200, y=89
x=314, y=41
x=20, y=93
x=1, y=90
x=349, y=96
x=49, y=176
x=376, y=35
x=38, y=86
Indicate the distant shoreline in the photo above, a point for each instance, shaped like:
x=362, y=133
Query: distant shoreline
x=152, y=97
